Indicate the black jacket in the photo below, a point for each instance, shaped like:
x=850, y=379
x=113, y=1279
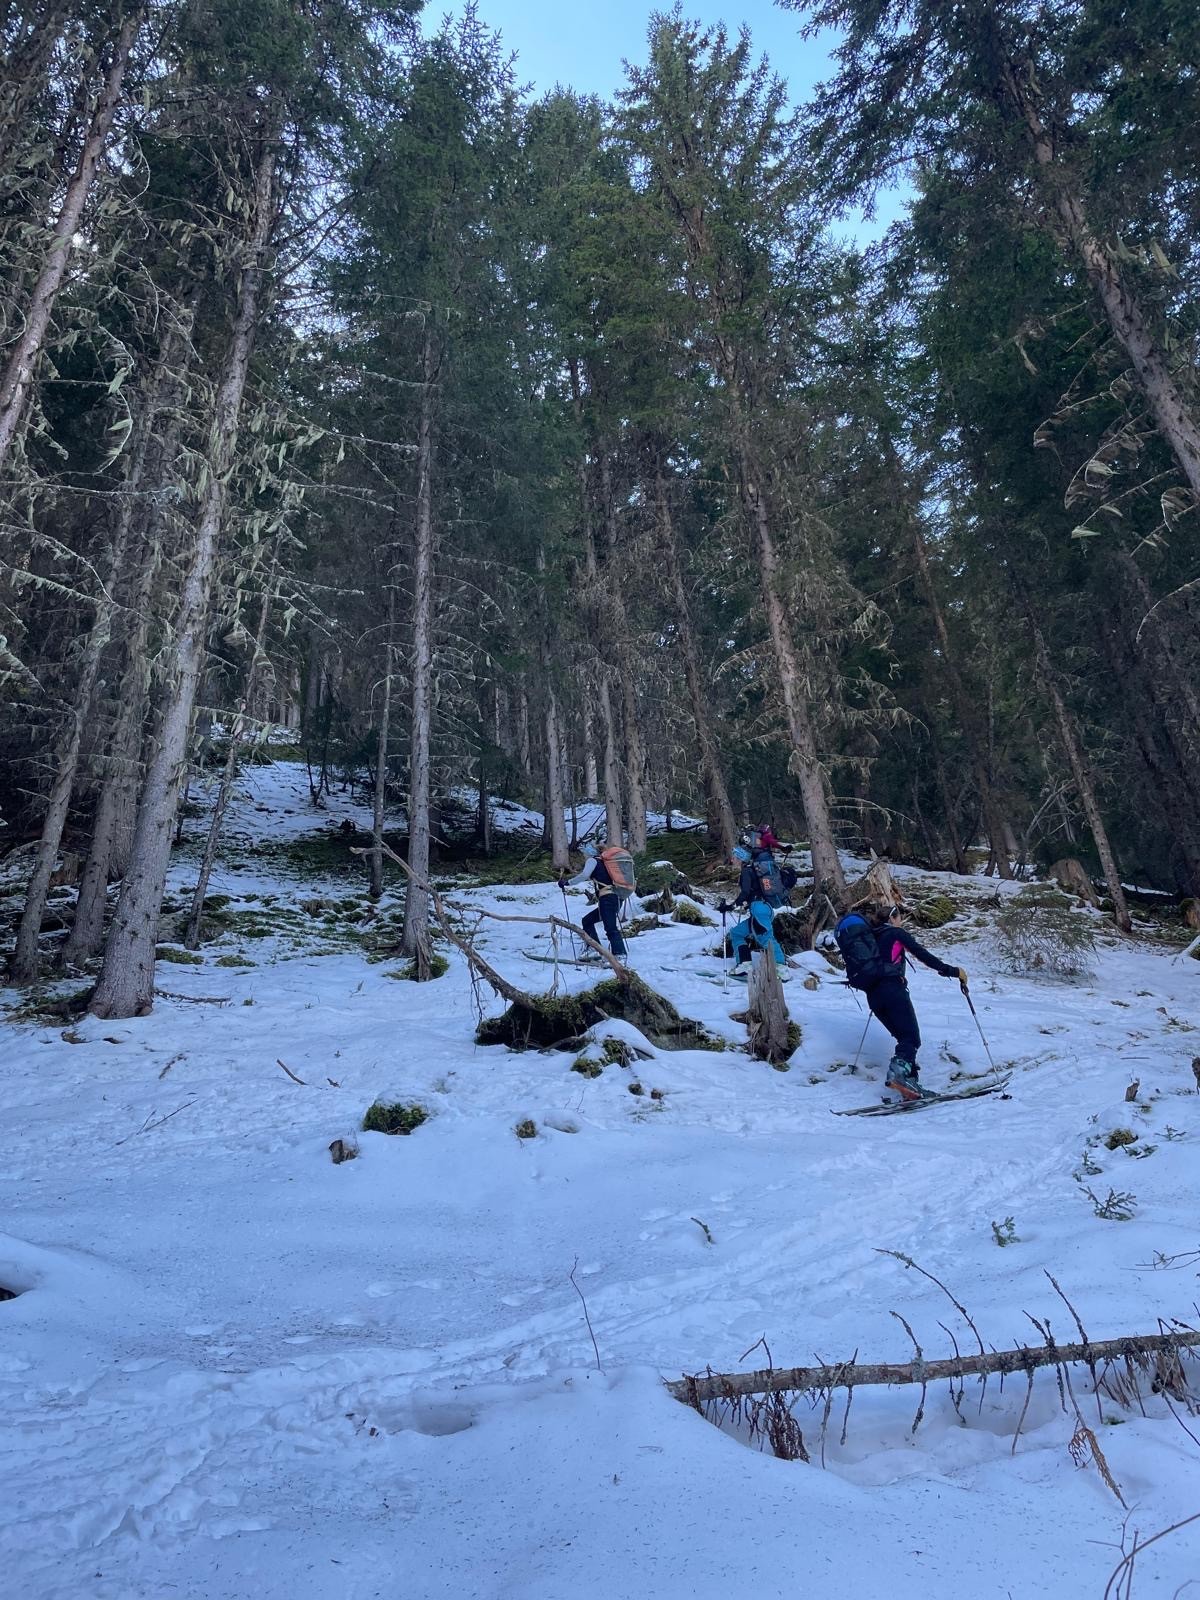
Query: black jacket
x=894, y=943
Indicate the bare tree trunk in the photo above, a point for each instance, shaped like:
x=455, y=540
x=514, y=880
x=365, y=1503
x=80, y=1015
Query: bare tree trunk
x=523, y=731
x=853, y=1375
x=556, y=822
x=1167, y=402
x=810, y=777
x=381, y=754
x=635, y=760
x=484, y=815
x=25, y=958
x=1080, y=769
x=19, y=369
x=612, y=762
x=225, y=788
x=591, y=777
x=721, y=826
x=415, y=942
x=126, y=986
x=111, y=845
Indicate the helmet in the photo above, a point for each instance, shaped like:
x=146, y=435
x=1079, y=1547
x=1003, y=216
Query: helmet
x=740, y=853
x=589, y=849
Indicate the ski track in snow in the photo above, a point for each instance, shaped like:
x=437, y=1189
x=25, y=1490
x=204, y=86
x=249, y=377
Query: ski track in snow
x=236, y=1370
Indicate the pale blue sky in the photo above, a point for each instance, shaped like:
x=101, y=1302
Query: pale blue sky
x=581, y=45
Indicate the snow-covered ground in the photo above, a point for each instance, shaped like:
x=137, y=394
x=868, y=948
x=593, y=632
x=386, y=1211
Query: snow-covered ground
x=238, y=1370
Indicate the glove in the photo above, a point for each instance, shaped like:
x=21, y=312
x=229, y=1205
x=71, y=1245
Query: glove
x=724, y=908
x=562, y=883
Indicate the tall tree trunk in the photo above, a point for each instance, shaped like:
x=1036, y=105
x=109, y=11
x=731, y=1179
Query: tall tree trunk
x=968, y=721
x=810, y=777
x=612, y=761
x=416, y=901
x=25, y=958
x=381, y=753
x=109, y=852
x=112, y=827
x=721, y=826
x=591, y=777
x=635, y=759
x=523, y=749
x=1168, y=405
x=126, y=986
x=22, y=362
x=556, y=822
x=258, y=661
x=1073, y=748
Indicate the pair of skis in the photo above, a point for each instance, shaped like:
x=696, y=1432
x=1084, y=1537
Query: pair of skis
x=976, y=1091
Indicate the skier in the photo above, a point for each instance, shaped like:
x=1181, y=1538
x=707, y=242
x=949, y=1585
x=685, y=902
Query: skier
x=761, y=903
x=874, y=945
x=610, y=872
x=777, y=880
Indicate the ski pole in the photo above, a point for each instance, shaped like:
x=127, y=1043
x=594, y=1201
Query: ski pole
x=567, y=914
x=861, y=1042
x=962, y=983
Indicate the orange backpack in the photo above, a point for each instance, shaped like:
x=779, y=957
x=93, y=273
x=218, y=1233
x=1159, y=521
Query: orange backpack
x=620, y=869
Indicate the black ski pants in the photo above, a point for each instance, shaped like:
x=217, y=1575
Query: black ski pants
x=889, y=1001
x=606, y=910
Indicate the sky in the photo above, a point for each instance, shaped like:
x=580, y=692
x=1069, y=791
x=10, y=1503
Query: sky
x=581, y=45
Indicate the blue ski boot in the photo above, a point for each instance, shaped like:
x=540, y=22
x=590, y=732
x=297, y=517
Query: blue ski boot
x=900, y=1085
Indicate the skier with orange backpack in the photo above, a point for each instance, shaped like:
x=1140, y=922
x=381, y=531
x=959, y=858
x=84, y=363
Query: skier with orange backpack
x=610, y=871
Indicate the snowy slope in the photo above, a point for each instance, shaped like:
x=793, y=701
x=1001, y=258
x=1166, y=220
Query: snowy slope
x=238, y=1370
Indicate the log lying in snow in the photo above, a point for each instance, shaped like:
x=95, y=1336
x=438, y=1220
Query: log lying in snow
x=697, y=1390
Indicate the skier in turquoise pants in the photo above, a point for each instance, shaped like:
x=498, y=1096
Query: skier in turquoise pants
x=756, y=930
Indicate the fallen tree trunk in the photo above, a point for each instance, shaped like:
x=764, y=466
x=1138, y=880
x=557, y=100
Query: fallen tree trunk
x=696, y=1390
x=545, y=1019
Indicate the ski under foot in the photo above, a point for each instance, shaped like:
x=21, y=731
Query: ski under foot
x=976, y=1092
x=571, y=961
x=719, y=977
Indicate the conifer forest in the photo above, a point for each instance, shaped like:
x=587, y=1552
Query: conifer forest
x=560, y=449
x=545, y=550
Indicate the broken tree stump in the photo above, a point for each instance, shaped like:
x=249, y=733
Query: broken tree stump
x=773, y=1034
x=1072, y=875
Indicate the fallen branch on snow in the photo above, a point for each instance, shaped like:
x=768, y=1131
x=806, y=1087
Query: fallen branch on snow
x=756, y=1400
x=696, y=1390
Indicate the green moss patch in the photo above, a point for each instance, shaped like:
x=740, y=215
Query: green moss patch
x=394, y=1116
x=934, y=912
x=688, y=912
x=438, y=967
x=182, y=958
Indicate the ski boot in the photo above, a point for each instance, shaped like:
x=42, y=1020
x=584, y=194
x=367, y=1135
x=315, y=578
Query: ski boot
x=900, y=1085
